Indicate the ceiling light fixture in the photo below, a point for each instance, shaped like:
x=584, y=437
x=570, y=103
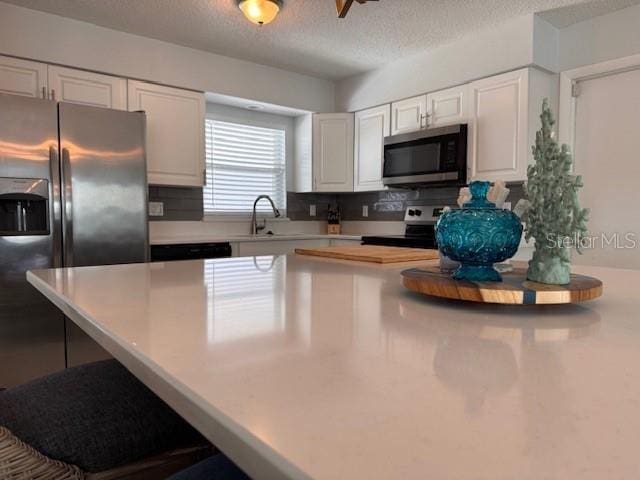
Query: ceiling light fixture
x=260, y=12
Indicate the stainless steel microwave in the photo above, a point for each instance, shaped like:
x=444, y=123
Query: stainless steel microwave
x=435, y=156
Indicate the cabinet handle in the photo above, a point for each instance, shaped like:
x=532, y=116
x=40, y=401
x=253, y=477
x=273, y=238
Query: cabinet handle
x=204, y=177
x=423, y=118
x=44, y=92
x=53, y=94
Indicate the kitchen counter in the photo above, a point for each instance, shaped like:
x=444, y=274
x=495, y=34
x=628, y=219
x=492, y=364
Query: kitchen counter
x=301, y=367
x=212, y=238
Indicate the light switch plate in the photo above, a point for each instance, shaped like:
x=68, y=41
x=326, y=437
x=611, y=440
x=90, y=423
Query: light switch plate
x=365, y=210
x=312, y=210
x=156, y=209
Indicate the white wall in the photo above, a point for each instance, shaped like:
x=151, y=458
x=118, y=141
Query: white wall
x=50, y=38
x=503, y=47
x=546, y=41
x=601, y=38
x=261, y=119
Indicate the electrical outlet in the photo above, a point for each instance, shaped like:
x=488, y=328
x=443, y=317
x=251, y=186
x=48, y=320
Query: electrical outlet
x=365, y=210
x=156, y=209
x=312, y=210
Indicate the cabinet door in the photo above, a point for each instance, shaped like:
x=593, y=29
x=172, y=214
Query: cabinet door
x=277, y=247
x=448, y=106
x=408, y=115
x=175, y=133
x=371, y=126
x=343, y=241
x=86, y=88
x=21, y=77
x=333, y=152
x=498, y=148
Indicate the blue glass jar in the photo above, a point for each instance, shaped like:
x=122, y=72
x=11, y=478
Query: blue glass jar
x=478, y=235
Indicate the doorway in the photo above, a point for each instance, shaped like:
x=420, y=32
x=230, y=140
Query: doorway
x=606, y=113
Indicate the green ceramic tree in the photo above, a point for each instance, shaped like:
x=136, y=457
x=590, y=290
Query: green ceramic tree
x=554, y=218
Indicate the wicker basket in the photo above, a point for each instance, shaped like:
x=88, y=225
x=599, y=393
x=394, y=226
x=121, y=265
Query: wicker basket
x=18, y=461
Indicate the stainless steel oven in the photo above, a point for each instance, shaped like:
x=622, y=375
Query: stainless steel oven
x=432, y=156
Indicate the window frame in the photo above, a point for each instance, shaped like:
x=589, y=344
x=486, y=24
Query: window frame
x=244, y=217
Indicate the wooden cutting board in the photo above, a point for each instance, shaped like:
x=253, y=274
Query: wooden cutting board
x=371, y=253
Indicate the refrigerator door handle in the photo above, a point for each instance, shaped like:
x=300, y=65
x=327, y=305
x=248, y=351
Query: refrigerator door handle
x=55, y=221
x=67, y=208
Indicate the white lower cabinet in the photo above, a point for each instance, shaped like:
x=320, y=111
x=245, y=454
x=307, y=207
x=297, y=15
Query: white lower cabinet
x=503, y=118
x=371, y=127
x=274, y=247
x=23, y=77
x=87, y=88
x=175, y=132
x=344, y=242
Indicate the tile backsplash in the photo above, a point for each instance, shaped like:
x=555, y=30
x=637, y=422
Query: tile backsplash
x=184, y=203
x=179, y=203
x=389, y=205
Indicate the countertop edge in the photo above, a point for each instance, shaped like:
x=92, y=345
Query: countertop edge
x=249, y=452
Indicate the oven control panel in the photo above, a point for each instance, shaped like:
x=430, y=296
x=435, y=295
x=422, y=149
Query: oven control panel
x=423, y=213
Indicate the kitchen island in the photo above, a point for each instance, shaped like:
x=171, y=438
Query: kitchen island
x=300, y=367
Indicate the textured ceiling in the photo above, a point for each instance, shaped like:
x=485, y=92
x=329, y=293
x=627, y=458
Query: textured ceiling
x=307, y=37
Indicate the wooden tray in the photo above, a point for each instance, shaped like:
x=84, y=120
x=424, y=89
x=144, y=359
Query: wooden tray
x=371, y=253
x=514, y=289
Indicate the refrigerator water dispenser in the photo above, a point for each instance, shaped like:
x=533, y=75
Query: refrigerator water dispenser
x=24, y=206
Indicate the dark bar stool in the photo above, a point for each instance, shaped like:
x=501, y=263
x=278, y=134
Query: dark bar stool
x=95, y=421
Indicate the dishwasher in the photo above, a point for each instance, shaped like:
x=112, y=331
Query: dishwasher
x=190, y=251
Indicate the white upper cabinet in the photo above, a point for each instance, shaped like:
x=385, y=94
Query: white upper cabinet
x=447, y=107
x=22, y=77
x=333, y=152
x=498, y=143
x=303, y=150
x=408, y=115
x=175, y=133
x=503, y=118
x=371, y=126
x=87, y=88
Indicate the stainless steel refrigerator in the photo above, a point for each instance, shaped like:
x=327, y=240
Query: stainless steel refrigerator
x=73, y=192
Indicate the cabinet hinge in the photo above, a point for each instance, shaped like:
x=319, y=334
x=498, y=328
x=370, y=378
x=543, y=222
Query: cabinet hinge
x=575, y=90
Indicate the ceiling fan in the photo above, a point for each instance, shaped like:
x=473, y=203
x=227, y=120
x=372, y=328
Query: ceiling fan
x=343, y=6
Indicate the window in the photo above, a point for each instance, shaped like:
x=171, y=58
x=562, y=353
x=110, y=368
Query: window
x=243, y=161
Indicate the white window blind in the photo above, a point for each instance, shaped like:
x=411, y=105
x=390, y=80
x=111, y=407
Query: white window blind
x=243, y=161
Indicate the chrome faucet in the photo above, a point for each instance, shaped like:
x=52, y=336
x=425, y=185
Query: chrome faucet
x=255, y=228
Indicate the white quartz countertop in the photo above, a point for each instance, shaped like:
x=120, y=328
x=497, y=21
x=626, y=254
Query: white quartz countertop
x=212, y=238
x=300, y=367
